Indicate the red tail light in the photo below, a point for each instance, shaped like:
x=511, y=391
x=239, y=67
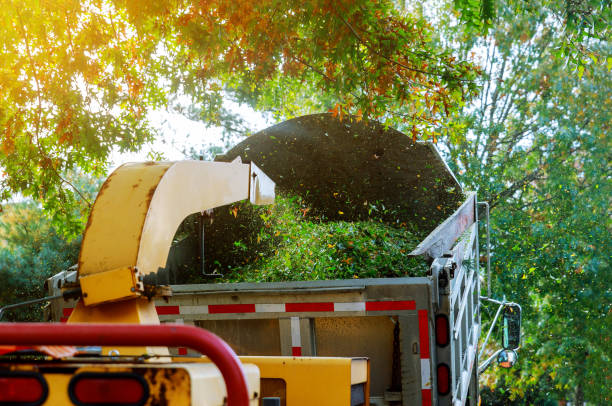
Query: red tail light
x=120, y=389
x=444, y=379
x=442, y=330
x=22, y=388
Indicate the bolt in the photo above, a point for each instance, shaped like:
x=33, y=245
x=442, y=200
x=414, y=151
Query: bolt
x=133, y=289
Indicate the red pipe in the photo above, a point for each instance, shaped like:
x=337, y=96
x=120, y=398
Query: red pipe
x=167, y=335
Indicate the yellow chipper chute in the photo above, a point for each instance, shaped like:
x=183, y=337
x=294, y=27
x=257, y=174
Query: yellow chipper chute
x=122, y=267
x=130, y=229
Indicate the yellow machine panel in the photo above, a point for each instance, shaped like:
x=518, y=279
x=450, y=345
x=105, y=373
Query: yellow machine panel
x=308, y=381
x=111, y=286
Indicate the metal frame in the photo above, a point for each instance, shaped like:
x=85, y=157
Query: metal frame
x=457, y=287
x=486, y=205
x=137, y=335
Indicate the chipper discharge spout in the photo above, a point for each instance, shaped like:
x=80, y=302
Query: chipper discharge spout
x=122, y=262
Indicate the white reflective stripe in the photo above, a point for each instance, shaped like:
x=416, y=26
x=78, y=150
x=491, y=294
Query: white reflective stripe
x=349, y=307
x=178, y=321
x=202, y=309
x=270, y=308
x=295, y=332
x=425, y=373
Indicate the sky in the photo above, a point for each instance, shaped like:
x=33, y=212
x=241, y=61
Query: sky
x=179, y=133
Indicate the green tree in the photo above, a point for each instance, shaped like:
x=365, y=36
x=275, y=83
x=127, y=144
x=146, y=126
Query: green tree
x=538, y=149
x=31, y=250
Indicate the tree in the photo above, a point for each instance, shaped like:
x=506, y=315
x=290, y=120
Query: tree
x=31, y=250
x=77, y=78
x=538, y=149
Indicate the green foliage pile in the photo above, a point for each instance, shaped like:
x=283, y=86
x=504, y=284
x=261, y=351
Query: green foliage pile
x=31, y=250
x=291, y=246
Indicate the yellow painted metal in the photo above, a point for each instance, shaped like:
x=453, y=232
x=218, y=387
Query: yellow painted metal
x=320, y=381
x=169, y=384
x=137, y=311
x=112, y=235
x=139, y=208
x=118, y=284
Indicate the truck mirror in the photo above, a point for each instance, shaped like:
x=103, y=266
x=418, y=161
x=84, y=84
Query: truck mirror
x=511, y=339
x=507, y=358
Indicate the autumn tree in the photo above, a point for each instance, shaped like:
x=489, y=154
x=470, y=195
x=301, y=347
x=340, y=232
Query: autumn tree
x=77, y=78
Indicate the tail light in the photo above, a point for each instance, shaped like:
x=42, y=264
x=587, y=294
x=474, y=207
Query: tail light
x=119, y=389
x=444, y=379
x=442, y=330
x=22, y=388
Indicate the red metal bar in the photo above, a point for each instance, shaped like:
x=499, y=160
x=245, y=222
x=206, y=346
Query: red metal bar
x=169, y=335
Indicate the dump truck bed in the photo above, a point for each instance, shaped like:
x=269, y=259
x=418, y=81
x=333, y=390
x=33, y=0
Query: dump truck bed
x=391, y=321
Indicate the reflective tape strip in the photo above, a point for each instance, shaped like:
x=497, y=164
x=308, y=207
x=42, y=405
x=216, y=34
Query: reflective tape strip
x=309, y=307
x=231, y=308
x=301, y=307
x=424, y=334
x=426, y=396
x=350, y=307
x=270, y=308
x=425, y=358
x=425, y=373
x=167, y=310
x=203, y=309
x=296, y=340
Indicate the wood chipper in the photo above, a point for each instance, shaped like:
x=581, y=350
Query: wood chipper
x=382, y=341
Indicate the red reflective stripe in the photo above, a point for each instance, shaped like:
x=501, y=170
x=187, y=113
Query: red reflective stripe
x=309, y=307
x=296, y=351
x=231, y=308
x=167, y=309
x=182, y=351
x=390, y=305
x=67, y=311
x=424, y=333
x=63, y=319
x=426, y=397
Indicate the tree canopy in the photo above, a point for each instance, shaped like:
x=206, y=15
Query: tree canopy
x=77, y=78
x=538, y=149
